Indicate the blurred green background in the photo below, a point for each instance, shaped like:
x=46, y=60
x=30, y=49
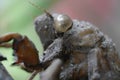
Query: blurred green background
x=18, y=16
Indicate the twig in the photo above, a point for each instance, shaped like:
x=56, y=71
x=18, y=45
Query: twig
x=33, y=74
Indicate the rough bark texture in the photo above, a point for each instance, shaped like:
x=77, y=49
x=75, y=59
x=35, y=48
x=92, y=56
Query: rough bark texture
x=87, y=53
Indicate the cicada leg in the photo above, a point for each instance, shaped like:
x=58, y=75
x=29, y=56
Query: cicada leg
x=9, y=36
x=6, y=45
x=93, y=69
x=15, y=63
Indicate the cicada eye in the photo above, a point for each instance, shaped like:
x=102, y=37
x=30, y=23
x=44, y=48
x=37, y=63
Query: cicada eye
x=62, y=23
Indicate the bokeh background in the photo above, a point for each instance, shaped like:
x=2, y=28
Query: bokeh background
x=18, y=16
